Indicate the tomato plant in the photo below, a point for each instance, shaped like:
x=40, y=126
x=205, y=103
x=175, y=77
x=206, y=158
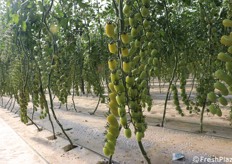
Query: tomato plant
x=57, y=49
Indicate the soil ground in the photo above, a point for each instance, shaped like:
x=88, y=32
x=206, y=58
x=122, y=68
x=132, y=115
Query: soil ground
x=180, y=134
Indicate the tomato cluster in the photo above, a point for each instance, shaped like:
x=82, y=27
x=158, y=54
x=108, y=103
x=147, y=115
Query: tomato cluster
x=133, y=55
x=111, y=136
x=23, y=102
x=176, y=100
x=224, y=83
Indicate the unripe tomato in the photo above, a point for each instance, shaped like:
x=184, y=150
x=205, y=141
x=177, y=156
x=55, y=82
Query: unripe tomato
x=142, y=53
x=155, y=61
x=221, y=87
x=138, y=18
x=143, y=84
x=114, y=76
x=119, y=88
x=113, y=130
x=144, y=11
x=150, y=61
x=136, y=59
x=140, y=29
x=213, y=109
x=134, y=32
x=143, y=75
x=123, y=121
x=139, y=136
x=224, y=57
x=135, y=72
x=219, y=112
x=223, y=101
x=127, y=10
x=227, y=23
x=54, y=28
x=132, y=46
x=127, y=132
x=149, y=35
x=113, y=108
x=145, y=92
x=154, y=52
x=112, y=120
x=230, y=49
x=106, y=151
x=125, y=52
x=112, y=96
x=132, y=22
x=121, y=111
x=214, y=30
x=139, y=125
x=146, y=3
x=137, y=43
x=229, y=66
x=131, y=52
x=130, y=80
x=126, y=66
x=112, y=64
x=135, y=114
x=121, y=98
x=133, y=104
x=146, y=23
x=111, y=86
x=145, y=44
x=112, y=48
x=126, y=21
x=150, y=45
x=111, y=146
x=109, y=29
x=226, y=40
x=125, y=38
x=110, y=137
x=132, y=93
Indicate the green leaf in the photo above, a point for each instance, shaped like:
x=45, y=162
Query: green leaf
x=63, y=23
x=15, y=18
x=24, y=26
x=8, y=4
x=187, y=2
x=83, y=5
x=41, y=6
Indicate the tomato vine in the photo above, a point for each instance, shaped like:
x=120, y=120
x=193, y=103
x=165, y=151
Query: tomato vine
x=51, y=50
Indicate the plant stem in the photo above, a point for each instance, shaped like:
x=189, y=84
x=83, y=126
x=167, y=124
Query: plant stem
x=110, y=159
x=202, y=116
x=144, y=152
x=7, y=102
x=168, y=91
x=193, y=82
x=73, y=94
x=49, y=78
x=39, y=129
x=73, y=88
x=92, y=113
x=8, y=108
x=47, y=109
x=175, y=66
x=13, y=105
